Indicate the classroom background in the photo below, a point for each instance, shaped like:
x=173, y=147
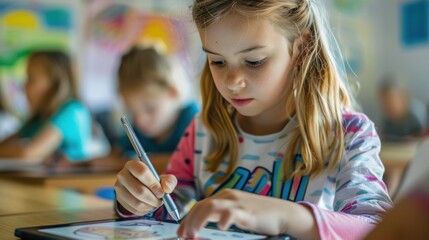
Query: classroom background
x=377, y=38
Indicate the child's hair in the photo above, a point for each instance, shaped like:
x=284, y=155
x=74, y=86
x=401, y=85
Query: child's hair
x=318, y=95
x=141, y=67
x=391, y=82
x=58, y=67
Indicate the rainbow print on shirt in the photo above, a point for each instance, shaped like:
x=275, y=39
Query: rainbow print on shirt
x=263, y=182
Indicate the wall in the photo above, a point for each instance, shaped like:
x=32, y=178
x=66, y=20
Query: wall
x=375, y=27
x=368, y=31
x=412, y=62
x=357, y=30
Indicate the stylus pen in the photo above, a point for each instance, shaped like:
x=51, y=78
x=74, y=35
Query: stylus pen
x=168, y=201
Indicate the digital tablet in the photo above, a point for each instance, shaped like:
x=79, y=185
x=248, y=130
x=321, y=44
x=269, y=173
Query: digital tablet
x=122, y=229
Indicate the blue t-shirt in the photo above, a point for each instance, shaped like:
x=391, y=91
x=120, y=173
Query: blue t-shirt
x=169, y=145
x=73, y=121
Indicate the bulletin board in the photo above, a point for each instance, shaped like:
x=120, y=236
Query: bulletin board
x=415, y=22
x=25, y=26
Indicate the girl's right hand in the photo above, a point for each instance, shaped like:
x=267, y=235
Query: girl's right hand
x=138, y=191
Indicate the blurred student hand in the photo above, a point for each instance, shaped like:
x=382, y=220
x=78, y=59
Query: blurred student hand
x=137, y=189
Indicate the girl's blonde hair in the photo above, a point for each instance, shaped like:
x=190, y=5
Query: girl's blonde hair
x=318, y=95
x=58, y=67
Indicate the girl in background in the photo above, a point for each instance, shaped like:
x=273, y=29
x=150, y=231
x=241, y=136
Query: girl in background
x=58, y=122
x=8, y=123
x=278, y=148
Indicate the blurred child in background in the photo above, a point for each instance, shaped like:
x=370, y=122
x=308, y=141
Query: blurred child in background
x=404, y=117
x=8, y=123
x=58, y=121
x=158, y=101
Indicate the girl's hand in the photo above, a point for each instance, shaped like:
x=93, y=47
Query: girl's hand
x=252, y=212
x=138, y=191
x=247, y=211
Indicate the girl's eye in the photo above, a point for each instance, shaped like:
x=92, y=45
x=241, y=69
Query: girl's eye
x=217, y=63
x=255, y=63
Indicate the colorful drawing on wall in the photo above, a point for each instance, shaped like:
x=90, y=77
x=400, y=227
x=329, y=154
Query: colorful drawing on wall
x=111, y=29
x=25, y=26
x=415, y=23
x=118, y=26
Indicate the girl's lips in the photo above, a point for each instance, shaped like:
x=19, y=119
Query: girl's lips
x=241, y=102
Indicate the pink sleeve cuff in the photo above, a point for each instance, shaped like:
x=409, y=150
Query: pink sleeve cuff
x=337, y=225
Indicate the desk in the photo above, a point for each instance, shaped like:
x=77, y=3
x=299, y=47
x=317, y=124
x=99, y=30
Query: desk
x=395, y=157
x=398, y=154
x=9, y=223
x=85, y=180
x=18, y=198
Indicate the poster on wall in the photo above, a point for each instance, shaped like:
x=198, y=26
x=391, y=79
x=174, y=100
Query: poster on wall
x=112, y=28
x=415, y=23
x=25, y=26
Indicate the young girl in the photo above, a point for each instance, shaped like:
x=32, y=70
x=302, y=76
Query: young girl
x=278, y=148
x=158, y=102
x=58, y=122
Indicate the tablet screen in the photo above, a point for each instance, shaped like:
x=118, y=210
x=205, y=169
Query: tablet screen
x=138, y=229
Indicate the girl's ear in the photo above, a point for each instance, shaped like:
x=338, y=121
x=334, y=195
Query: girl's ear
x=299, y=47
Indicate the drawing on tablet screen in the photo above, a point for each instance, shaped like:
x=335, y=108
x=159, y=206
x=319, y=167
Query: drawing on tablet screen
x=109, y=233
x=145, y=223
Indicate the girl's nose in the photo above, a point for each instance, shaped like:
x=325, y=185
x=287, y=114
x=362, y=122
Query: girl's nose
x=235, y=80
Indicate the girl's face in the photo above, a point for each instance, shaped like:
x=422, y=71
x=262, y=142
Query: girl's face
x=250, y=63
x=154, y=110
x=394, y=103
x=37, y=84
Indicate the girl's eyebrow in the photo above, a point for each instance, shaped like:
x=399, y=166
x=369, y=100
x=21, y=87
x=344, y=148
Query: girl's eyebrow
x=242, y=51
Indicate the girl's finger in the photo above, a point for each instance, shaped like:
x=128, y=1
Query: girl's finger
x=136, y=206
x=209, y=210
x=141, y=172
x=138, y=190
x=226, y=219
x=187, y=227
x=168, y=183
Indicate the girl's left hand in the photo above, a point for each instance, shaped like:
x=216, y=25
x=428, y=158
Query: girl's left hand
x=256, y=213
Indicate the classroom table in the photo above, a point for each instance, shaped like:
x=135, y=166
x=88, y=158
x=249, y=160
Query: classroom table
x=18, y=198
x=8, y=224
x=395, y=158
x=82, y=179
